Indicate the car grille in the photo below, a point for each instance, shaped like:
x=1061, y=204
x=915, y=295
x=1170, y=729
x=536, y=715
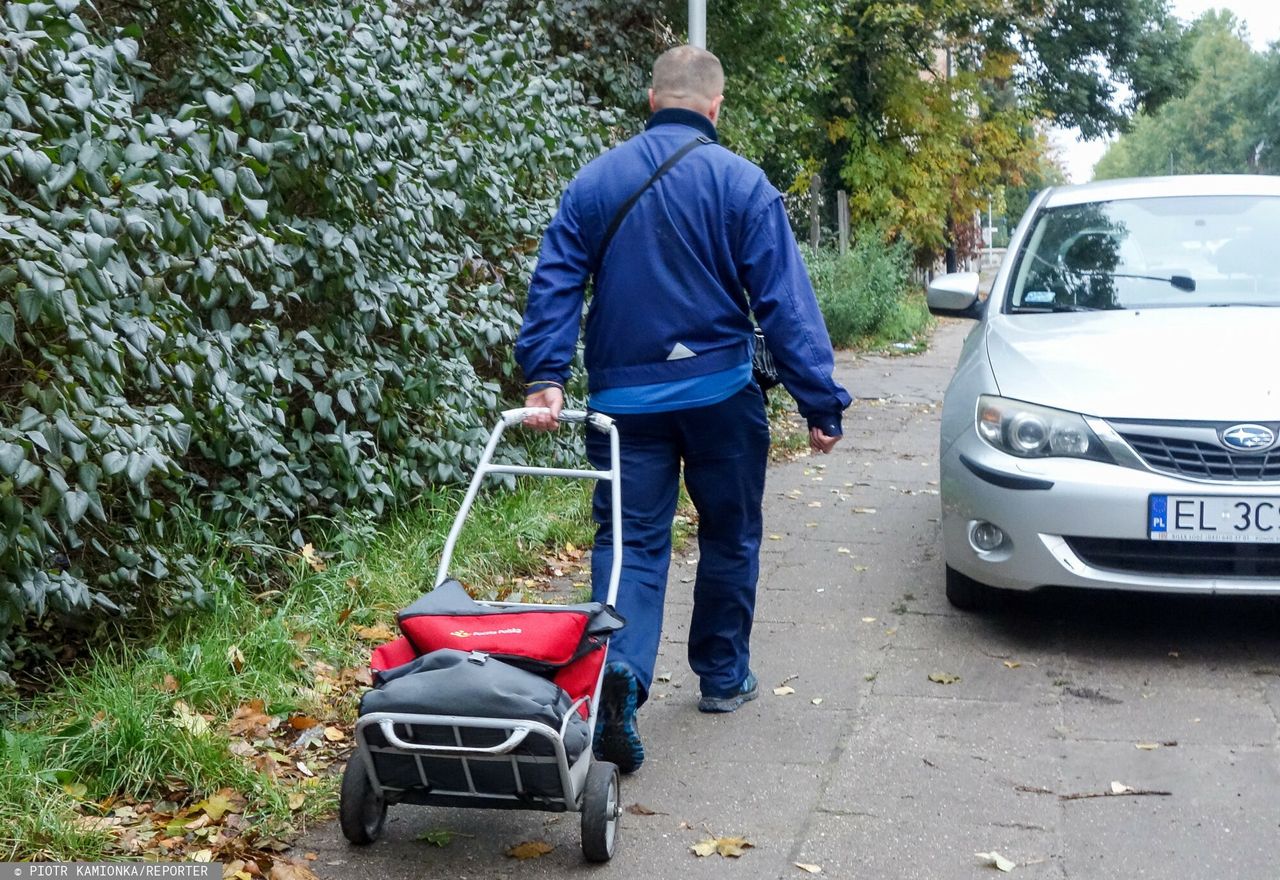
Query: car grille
x=1204, y=558
x=1206, y=461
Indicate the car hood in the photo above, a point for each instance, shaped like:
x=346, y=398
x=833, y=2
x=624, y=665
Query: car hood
x=1209, y=364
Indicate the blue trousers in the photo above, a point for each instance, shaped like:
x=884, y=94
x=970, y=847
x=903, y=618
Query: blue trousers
x=724, y=449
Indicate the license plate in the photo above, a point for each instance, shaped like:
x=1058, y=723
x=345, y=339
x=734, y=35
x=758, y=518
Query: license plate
x=1213, y=518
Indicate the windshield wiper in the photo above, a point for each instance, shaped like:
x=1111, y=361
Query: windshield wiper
x=1181, y=282
x=1058, y=308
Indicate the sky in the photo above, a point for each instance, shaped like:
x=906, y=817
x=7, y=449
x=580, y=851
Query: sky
x=1262, y=17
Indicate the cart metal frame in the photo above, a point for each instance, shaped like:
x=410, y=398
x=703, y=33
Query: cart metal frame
x=585, y=786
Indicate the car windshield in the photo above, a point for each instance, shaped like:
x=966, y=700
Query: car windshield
x=1176, y=252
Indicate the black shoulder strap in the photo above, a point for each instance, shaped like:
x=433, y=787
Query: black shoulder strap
x=635, y=196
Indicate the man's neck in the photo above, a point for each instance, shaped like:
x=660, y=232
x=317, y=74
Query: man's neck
x=682, y=116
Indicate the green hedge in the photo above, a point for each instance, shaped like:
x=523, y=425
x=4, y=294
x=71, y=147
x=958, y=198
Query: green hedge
x=259, y=260
x=862, y=290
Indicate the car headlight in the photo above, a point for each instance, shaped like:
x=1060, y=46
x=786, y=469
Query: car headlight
x=1030, y=431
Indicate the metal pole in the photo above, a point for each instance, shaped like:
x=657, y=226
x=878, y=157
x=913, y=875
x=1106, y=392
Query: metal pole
x=698, y=23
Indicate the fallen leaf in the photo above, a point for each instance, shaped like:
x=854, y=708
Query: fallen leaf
x=783, y=691
x=251, y=719
x=842, y=549
x=291, y=871
x=313, y=558
x=218, y=805
x=437, y=837
x=202, y=855
x=642, y=810
x=378, y=633
x=815, y=504
x=1120, y=788
x=729, y=847
x=808, y=869
x=189, y=720
x=304, y=769
x=943, y=678
x=343, y=615
x=775, y=537
x=170, y=685
x=296, y=799
x=334, y=734
x=1147, y=747
x=236, y=658
x=859, y=568
x=817, y=701
x=997, y=861
x=353, y=583
x=1012, y=664
x=302, y=722
x=530, y=849
x=864, y=510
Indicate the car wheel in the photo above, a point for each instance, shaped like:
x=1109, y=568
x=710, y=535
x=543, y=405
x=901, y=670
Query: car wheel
x=965, y=593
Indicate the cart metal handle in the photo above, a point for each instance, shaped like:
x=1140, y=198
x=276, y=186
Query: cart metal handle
x=485, y=467
x=517, y=736
x=599, y=421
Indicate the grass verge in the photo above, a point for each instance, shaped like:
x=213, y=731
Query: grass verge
x=223, y=738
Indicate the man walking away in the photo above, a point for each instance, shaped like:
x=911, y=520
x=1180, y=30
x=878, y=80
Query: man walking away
x=700, y=241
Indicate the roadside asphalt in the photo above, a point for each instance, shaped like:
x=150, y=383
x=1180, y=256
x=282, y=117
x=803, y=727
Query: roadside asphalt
x=906, y=738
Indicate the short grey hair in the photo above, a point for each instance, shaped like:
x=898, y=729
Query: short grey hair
x=688, y=73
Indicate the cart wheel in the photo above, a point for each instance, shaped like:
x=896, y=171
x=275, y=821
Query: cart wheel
x=362, y=812
x=600, y=811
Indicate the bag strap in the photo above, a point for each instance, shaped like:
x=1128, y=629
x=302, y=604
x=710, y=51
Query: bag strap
x=635, y=196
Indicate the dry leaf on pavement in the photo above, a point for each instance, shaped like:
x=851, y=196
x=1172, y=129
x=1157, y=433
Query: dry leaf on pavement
x=808, y=869
x=784, y=690
x=1120, y=788
x=730, y=847
x=291, y=871
x=642, y=810
x=997, y=861
x=530, y=849
x=943, y=678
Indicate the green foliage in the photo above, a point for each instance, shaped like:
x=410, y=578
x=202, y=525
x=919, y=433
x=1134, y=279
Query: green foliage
x=260, y=259
x=864, y=289
x=933, y=106
x=1214, y=127
x=126, y=723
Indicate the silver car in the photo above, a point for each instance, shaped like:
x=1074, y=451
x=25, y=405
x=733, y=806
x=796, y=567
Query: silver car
x=1113, y=419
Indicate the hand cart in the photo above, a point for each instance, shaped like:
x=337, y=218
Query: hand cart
x=490, y=762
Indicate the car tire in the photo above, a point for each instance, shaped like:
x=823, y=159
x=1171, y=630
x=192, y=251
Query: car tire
x=965, y=593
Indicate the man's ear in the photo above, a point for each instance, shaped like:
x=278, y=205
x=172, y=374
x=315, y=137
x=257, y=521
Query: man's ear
x=653, y=105
x=714, y=115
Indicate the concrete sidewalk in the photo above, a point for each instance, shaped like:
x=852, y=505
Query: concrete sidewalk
x=870, y=769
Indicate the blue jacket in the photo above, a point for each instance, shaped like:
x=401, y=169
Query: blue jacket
x=705, y=247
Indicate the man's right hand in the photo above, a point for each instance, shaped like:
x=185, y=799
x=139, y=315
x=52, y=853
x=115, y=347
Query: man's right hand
x=821, y=442
x=551, y=398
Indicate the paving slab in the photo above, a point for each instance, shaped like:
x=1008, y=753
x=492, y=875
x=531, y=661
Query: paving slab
x=892, y=775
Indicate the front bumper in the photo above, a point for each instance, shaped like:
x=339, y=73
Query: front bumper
x=1041, y=504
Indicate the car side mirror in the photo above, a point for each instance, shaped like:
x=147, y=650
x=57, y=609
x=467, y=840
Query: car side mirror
x=955, y=295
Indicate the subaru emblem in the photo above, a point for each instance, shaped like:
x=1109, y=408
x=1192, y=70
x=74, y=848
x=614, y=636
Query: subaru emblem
x=1248, y=438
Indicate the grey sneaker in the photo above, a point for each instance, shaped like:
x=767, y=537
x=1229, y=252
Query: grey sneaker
x=748, y=690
